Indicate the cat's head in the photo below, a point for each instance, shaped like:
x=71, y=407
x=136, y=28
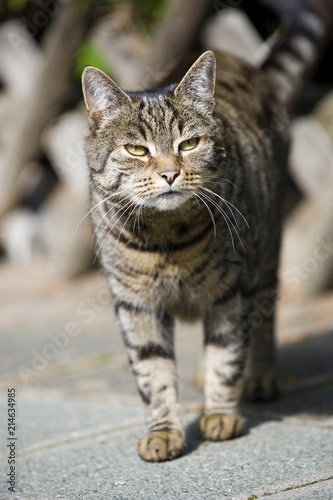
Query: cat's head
x=155, y=148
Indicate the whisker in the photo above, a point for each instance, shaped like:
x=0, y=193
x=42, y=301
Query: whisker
x=114, y=215
x=226, y=218
x=123, y=213
x=222, y=178
x=227, y=203
x=221, y=183
x=123, y=226
x=139, y=209
x=238, y=211
x=96, y=228
x=233, y=215
x=91, y=210
x=209, y=210
x=137, y=218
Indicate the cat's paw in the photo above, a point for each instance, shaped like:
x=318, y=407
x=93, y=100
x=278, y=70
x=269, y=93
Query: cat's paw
x=260, y=388
x=218, y=427
x=159, y=446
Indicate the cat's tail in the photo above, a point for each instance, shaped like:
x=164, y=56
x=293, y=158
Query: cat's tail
x=307, y=27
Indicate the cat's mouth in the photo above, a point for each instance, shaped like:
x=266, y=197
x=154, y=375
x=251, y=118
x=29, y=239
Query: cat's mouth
x=167, y=195
x=170, y=199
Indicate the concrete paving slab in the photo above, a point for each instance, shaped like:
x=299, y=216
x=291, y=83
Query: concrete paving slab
x=322, y=490
x=44, y=419
x=51, y=415
x=269, y=459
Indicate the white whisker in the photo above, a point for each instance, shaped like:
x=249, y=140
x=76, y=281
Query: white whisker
x=102, y=218
x=128, y=205
x=227, y=219
x=223, y=215
x=227, y=203
x=91, y=210
x=123, y=226
x=114, y=215
x=209, y=210
x=221, y=183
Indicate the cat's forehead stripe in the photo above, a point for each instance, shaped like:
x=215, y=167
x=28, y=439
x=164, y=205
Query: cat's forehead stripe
x=157, y=113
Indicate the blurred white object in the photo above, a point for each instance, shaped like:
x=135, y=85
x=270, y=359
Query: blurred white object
x=232, y=31
x=21, y=236
x=20, y=58
x=64, y=144
x=311, y=159
x=311, y=165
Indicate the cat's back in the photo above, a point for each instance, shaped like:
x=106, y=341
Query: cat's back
x=243, y=90
x=255, y=129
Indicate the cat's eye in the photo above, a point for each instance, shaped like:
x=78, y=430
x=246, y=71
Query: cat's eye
x=188, y=144
x=136, y=150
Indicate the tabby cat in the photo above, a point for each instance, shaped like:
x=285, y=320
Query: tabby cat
x=186, y=191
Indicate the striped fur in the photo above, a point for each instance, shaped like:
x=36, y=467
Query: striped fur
x=306, y=26
x=203, y=245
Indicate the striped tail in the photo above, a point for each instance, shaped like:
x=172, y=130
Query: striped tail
x=307, y=26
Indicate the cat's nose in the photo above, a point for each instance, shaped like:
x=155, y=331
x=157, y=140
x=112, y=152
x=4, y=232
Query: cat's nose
x=169, y=175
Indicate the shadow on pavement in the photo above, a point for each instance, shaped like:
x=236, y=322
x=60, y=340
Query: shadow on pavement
x=306, y=381
x=306, y=378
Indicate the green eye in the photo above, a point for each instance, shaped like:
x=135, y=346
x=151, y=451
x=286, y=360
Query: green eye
x=188, y=144
x=136, y=150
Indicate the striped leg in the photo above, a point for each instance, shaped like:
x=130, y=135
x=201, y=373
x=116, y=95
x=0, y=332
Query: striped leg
x=261, y=377
x=226, y=340
x=149, y=341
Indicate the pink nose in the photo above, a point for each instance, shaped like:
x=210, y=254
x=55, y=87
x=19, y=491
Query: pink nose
x=169, y=175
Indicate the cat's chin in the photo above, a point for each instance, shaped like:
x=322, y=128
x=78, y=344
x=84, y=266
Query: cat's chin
x=169, y=200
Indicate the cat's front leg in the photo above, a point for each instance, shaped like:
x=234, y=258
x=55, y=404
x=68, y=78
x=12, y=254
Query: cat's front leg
x=226, y=347
x=149, y=341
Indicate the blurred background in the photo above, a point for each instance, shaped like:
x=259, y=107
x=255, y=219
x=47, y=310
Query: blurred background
x=57, y=326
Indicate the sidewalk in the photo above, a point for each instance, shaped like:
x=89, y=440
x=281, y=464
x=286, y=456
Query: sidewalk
x=79, y=417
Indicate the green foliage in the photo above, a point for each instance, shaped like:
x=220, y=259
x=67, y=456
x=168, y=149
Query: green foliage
x=88, y=55
x=145, y=12
x=83, y=6
x=16, y=6
x=148, y=12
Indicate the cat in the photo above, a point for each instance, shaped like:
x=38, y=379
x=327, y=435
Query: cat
x=187, y=182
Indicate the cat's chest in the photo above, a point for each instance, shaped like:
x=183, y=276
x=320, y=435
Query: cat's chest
x=163, y=270
x=180, y=282
x=171, y=283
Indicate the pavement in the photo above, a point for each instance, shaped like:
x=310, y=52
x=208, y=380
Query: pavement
x=78, y=416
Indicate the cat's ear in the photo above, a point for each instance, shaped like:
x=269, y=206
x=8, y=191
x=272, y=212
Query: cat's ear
x=101, y=94
x=198, y=84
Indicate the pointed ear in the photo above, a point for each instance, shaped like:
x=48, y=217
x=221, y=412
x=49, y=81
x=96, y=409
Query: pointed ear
x=101, y=94
x=198, y=84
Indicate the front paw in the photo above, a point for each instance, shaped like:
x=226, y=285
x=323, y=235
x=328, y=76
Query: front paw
x=260, y=387
x=218, y=427
x=159, y=446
